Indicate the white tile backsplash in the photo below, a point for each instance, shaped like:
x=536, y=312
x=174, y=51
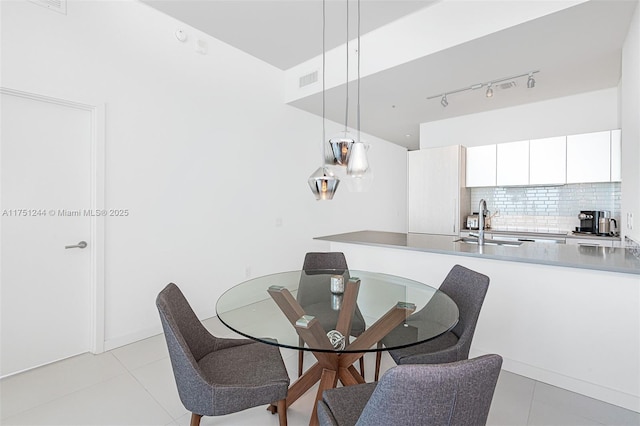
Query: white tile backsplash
x=546, y=208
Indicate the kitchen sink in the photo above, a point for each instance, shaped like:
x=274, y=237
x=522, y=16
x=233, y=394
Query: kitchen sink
x=489, y=242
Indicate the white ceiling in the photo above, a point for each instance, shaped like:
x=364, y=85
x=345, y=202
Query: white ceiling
x=576, y=50
x=283, y=33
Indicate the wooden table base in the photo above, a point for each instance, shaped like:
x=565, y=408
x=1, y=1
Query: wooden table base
x=331, y=365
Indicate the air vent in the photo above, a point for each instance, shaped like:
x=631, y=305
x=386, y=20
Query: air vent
x=59, y=6
x=507, y=85
x=308, y=79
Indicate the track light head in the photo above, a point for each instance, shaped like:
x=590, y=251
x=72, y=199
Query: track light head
x=531, y=83
x=444, y=102
x=489, y=93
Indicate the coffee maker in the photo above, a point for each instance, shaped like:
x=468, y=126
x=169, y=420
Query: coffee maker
x=590, y=221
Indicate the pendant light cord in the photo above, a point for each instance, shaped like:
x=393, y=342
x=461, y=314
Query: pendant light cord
x=322, y=153
x=358, y=109
x=346, y=109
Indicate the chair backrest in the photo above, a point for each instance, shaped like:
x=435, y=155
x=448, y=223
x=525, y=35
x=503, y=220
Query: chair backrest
x=188, y=341
x=324, y=261
x=313, y=287
x=468, y=289
x=458, y=393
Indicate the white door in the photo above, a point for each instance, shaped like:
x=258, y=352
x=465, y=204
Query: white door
x=45, y=190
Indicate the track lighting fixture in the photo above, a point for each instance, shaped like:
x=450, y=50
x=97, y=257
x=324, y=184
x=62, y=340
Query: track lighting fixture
x=531, y=83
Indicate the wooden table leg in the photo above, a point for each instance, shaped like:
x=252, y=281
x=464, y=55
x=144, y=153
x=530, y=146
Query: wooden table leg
x=304, y=383
x=377, y=331
x=350, y=376
x=329, y=380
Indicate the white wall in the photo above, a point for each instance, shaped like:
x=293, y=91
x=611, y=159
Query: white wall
x=630, y=119
x=582, y=113
x=200, y=148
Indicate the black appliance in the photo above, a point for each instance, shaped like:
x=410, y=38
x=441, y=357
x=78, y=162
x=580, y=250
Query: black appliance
x=589, y=221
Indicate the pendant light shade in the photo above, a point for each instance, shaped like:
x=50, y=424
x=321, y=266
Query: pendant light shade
x=323, y=183
x=341, y=148
x=358, y=162
x=359, y=173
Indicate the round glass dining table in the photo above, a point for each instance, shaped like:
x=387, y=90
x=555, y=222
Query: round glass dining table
x=338, y=315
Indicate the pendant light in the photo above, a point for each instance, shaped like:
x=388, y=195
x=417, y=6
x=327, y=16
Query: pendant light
x=323, y=182
x=341, y=143
x=358, y=168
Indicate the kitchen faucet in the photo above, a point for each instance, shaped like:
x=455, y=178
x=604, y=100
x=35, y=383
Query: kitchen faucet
x=482, y=209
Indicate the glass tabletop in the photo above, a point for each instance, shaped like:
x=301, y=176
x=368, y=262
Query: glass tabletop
x=273, y=308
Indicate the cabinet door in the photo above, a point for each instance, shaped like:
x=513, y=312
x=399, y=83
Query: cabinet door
x=616, y=155
x=589, y=157
x=433, y=196
x=416, y=182
x=589, y=242
x=548, y=161
x=481, y=166
x=512, y=163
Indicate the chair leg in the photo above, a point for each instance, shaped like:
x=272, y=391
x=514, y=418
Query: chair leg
x=282, y=412
x=362, y=366
x=378, y=358
x=195, y=419
x=300, y=356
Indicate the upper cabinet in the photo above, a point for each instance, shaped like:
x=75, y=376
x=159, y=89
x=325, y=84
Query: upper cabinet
x=512, y=163
x=481, y=166
x=589, y=157
x=548, y=161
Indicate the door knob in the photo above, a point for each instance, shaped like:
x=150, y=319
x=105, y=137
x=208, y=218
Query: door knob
x=81, y=244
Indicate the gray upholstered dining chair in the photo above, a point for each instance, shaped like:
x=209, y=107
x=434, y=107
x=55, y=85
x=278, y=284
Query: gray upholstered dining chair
x=315, y=298
x=467, y=289
x=217, y=376
x=458, y=393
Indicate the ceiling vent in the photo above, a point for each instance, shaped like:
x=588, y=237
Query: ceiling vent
x=308, y=79
x=59, y=6
x=506, y=85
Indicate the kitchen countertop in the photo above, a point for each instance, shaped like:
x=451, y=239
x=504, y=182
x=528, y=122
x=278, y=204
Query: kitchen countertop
x=573, y=256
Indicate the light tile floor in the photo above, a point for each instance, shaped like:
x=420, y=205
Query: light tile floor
x=134, y=385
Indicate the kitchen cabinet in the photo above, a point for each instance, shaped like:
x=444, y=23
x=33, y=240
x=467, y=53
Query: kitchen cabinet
x=512, y=163
x=589, y=157
x=436, y=190
x=590, y=242
x=481, y=166
x=548, y=161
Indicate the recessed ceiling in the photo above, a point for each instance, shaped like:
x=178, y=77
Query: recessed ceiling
x=576, y=50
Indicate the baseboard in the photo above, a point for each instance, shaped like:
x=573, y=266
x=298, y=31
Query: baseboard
x=117, y=342
x=592, y=390
x=127, y=339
